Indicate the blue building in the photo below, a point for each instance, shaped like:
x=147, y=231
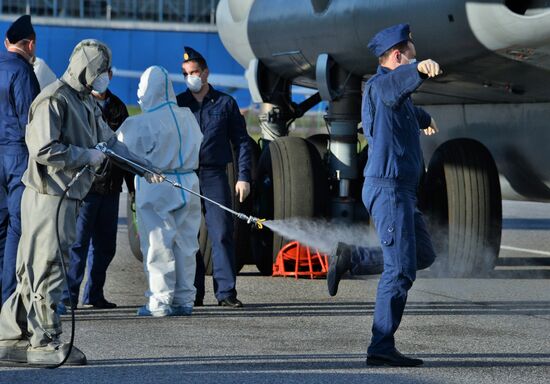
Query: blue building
x=140, y=33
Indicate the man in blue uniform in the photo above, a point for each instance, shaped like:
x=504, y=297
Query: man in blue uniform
x=98, y=219
x=222, y=126
x=18, y=88
x=392, y=126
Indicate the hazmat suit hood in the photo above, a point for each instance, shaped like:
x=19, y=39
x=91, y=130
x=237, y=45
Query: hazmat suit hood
x=90, y=58
x=155, y=89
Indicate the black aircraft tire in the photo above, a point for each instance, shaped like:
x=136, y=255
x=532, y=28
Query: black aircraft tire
x=463, y=203
x=133, y=235
x=320, y=142
x=293, y=196
x=242, y=231
x=205, y=247
x=289, y=184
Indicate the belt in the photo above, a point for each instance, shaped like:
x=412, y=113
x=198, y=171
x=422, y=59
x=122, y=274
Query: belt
x=389, y=183
x=178, y=171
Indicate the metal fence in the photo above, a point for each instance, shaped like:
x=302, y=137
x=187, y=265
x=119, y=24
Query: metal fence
x=180, y=11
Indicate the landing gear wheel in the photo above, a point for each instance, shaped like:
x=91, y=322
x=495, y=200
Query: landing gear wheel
x=288, y=184
x=205, y=247
x=321, y=142
x=133, y=235
x=462, y=201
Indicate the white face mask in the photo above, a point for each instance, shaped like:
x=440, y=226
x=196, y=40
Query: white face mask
x=409, y=61
x=101, y=83
x=194, y=83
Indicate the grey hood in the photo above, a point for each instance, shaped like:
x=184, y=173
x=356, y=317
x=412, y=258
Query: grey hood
x=90, y=58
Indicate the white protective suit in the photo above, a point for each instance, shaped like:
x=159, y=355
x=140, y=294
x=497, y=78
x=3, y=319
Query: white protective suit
x=168, y=218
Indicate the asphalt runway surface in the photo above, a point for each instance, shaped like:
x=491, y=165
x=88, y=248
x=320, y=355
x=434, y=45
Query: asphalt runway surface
x=489, y=330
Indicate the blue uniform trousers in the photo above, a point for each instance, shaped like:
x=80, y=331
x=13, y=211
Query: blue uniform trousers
x=405, y=248
x=215, y=186
x=4, y=216
x=12, y=167
x=97, y=221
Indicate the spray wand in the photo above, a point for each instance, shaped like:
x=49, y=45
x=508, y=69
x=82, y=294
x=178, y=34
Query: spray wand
x=117, y=158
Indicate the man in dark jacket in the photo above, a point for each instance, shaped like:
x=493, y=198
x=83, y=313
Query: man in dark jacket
x=18, y=88
x=98, y=219
x=222, y=126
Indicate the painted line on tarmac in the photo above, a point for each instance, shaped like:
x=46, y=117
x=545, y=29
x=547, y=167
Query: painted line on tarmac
x=535, y=251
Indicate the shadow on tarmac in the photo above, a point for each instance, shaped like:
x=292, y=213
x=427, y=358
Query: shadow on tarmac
x=334, y=361
x=291, y=368
x=343, y=309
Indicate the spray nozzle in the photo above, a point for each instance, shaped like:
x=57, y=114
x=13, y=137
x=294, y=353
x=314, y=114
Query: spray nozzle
x=251, y=220
x=259, y=223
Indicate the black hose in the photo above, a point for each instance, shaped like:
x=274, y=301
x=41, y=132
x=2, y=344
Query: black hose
x=64, y=267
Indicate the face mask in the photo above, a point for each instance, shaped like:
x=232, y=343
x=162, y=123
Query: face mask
x=194, y=83
x=409, y=61
x=101, y=83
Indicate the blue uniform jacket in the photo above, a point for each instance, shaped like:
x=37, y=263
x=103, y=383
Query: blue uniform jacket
x=18, y=88
x=392, y=125
x=221, y=123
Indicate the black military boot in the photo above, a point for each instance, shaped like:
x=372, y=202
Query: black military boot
x=392, y=359
x=339, y=264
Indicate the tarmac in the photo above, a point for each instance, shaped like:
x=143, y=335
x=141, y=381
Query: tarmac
x=488, y=330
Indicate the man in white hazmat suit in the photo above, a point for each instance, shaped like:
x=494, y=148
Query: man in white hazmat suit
x=64, y=126
x=168, y=218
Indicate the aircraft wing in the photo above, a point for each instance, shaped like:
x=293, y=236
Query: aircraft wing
x=492, y=51
x=227, y=81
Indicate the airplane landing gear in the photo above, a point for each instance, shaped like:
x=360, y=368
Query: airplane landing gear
x=463, y=206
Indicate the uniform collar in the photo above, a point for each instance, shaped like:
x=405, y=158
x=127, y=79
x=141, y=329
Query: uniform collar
x=18, y=56
x=108, y=96
x=211, y=96
x=382, y=70
x=105, y=102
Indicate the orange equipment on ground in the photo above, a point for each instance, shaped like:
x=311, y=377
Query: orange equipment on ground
x=297, y=260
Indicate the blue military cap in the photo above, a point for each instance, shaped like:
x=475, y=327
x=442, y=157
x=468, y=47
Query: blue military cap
x=387, y=38
x=190, y=54
x=20, y=29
